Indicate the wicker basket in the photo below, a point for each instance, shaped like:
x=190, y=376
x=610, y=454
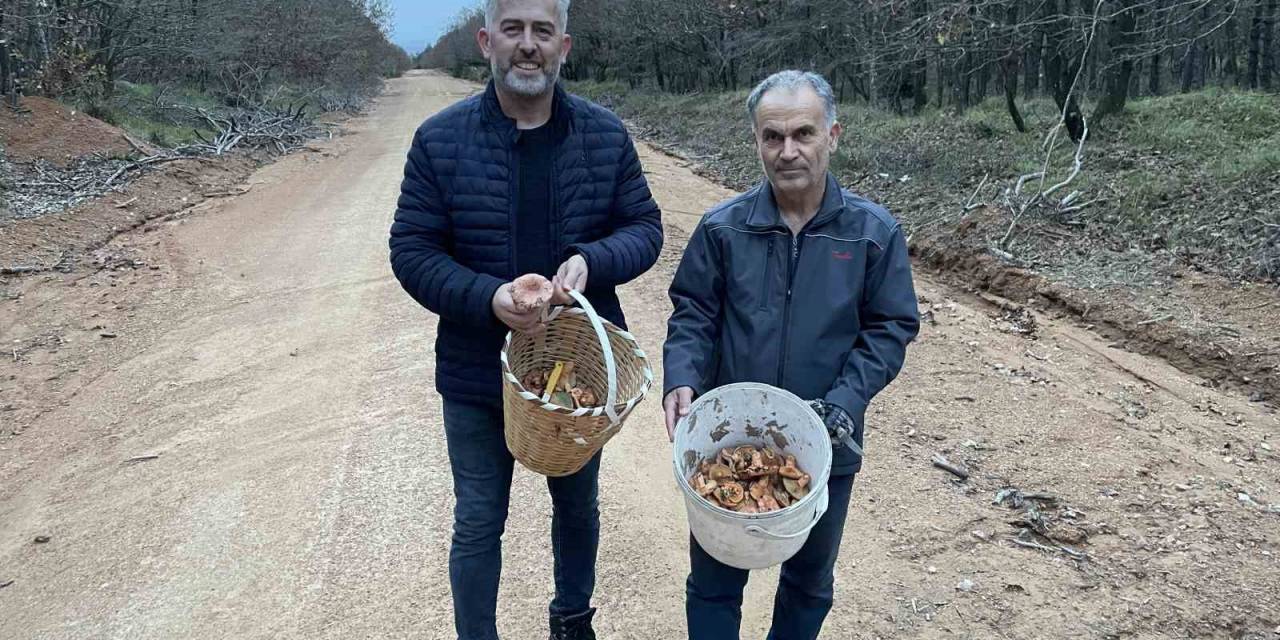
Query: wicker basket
x=558, y=441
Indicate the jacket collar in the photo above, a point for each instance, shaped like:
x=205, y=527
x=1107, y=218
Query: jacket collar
x=562, y=112
x=764, y=210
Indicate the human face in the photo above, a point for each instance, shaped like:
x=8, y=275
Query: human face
x=525, y=46
x=794, y=141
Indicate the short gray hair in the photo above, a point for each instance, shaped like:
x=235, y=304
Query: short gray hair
x=792, y=80
x=491, y=11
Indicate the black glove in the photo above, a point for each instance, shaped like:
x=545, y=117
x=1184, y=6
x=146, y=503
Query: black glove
x=839, y=425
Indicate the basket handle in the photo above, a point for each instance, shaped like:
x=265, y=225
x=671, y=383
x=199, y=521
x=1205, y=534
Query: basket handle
x=610, y=366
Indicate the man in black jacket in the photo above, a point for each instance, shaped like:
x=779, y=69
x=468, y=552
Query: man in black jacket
x=803, y=286
x=522, y=179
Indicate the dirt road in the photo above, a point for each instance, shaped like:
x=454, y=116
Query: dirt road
x=269, y=359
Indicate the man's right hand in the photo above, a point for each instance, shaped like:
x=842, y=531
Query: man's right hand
x=676, y=406
x=506, y=311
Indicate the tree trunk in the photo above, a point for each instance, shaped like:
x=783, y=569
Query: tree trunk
x=941, y=81
x=1229, y=66
x=5, y=80
x=1153, y=84
x=982, y=84
x=1011, y=90
x=1031, y=73
x=1009, y=67
x=1269, y=53
x=1189, y=65
x=920, y=74
x=1121, y=39
x=657, y=68
x=1255, y=45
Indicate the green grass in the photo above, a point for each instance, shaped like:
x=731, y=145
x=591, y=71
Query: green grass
x=1156, y=173
x=1232, y=134
x=134, y=108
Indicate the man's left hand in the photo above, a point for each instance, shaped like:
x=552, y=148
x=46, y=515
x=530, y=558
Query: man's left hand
x=572, y=275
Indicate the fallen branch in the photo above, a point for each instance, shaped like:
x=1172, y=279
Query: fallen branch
x=25, y=269
x=146, y=458
x=969, y=205
x=19, y=270
x=143, y=163
x=1167, y=316
x=941, y=462
x=138, y=146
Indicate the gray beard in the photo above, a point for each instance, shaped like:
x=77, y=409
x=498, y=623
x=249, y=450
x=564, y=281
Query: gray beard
x=527, y=87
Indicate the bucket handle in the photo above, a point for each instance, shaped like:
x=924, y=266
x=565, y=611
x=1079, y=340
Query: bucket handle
x=760, y=532
x=610, y=366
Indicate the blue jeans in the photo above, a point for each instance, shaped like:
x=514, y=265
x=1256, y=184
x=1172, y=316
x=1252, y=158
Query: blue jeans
x=482, y=468
x=713, y=593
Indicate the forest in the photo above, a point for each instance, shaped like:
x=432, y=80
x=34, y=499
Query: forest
x=237, y=50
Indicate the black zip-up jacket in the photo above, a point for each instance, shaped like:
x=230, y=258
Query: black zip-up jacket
x=826, y=314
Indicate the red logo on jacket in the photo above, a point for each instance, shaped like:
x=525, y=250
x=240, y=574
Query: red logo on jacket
x=842, y=255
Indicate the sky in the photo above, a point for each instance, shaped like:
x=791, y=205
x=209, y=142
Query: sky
x=419, y=22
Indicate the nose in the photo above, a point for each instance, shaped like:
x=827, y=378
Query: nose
x=526, y=44
x=790, y=150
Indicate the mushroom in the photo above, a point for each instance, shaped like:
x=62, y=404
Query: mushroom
x=760, y=488
x=781, y=495
x=702, y=485
x=749, y=479
x=730, y=495
x=767, y=503
x=719, y=473
x=790, y=471
x=587, y=397
x=758, y=466
x=725, y=457
x=534, y=382
x=530, y=292
x=794, y=488
x=770, y=458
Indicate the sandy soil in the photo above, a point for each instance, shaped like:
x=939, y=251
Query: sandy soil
x=260, y=347
x=47, y=130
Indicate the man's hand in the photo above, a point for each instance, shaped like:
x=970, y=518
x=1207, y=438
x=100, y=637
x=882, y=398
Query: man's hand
x=676, y=406
x=572, y=275
x=507, y=313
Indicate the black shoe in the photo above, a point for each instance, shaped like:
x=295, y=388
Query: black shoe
x=576, y=627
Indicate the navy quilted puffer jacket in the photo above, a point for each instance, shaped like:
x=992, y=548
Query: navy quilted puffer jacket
x=453, y=239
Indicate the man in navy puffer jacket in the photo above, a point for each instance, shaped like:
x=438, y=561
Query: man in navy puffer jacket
x=524, y=178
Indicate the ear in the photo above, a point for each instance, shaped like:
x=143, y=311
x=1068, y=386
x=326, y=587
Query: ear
x=482, y=39
x=568, y=45
x=836, y=130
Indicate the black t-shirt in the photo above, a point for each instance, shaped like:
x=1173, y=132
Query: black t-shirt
x=535, y=247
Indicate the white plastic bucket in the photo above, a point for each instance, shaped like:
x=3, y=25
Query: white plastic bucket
x=755, y=414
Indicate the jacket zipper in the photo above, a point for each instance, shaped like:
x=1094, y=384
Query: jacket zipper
x=557, y=238
x=513, y=187
x=792, y=261
x=768, y=279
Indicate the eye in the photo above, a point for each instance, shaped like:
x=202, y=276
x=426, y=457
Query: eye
x=545, y=32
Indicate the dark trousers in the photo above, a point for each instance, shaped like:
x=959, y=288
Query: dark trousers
x=713, y=593
x=482, y=468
